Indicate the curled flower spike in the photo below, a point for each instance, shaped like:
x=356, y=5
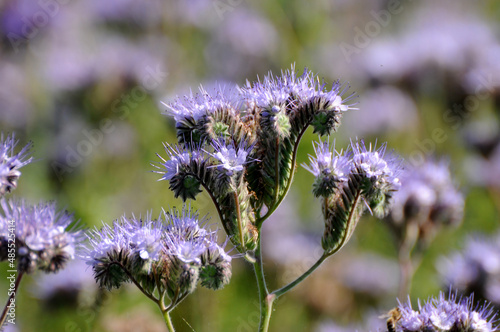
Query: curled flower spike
x=380, y=173
x=178, y=157
x=195, y=106
x=329, y=167
x=43, y=237
x=171, y=249
x=382, y=169
x=348, y=183
x=290, y=88
x=11, y=162
x=199, y=117
x=446, y=315
x=184, y=170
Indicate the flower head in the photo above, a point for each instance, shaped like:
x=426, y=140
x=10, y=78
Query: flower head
x=137, y=238
x=289, y=88
x=441, y=314
x=475, y=268
x=11, y=162
x=196, y=106
x=181, y=169
x=382, y=169
x=330, y=168
x=169, y=248
x=44, y=239
x=65, y=287
x=427, y=196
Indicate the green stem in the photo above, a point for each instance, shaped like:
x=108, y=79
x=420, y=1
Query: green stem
x=265, y=306
x=138, y=285
x=11, y=297
x=277, y=293
x=168, y=321
x=266, y=311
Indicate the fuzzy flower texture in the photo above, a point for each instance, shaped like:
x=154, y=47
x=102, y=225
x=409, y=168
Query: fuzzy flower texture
x=348, y=183
x=11, y=162
x=44, y=238
x=443, y=315
x=170, y=254
x=239, y=144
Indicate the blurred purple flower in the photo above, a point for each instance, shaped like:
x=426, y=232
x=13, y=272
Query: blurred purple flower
x=67, y=284
x=45, y=239
x=476, y=268
x=428, y=195
x=384, y=110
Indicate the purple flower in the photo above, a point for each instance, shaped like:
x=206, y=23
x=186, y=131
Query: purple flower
x=127, y=236
x=330, y=168
x=178, y=156
x=441, y=314
x=196, y=106
x=66, y=286
x=328, y=162
x=232, y=158
x=44, y=239
x=428, y=195
x=11, y=162
x=290, y=88
x=476, y=268
x=383, y=170
x=170, y=247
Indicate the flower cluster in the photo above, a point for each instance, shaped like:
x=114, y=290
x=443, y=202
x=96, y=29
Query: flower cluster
x=348, y=182
x=11, y=162
x=443, y=315
x=240, y=145
x=428, y=199
x=45, y=239
x=170, y=254
x=475, y=269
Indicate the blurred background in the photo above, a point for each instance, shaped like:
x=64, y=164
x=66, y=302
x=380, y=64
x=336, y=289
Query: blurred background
x=83, y=80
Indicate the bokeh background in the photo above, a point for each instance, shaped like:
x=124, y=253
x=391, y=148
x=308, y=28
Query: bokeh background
x=84, y=81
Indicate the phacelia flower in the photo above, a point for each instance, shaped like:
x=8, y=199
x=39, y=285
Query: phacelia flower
x=382, y=169
x=172, y=248
x=196, y=106
x=476, y=268
x=231, y=158
x=329, y=167
x=446, y=315
x=290, y=88
x=11, y=162
x=178, y=156
x=130, y=242
x=348, y=183
x=427, y=197
x=183, y=169
x=66, y=287
x=45, y=238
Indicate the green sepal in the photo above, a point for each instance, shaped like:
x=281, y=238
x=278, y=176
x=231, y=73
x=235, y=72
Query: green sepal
x=342, y=212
